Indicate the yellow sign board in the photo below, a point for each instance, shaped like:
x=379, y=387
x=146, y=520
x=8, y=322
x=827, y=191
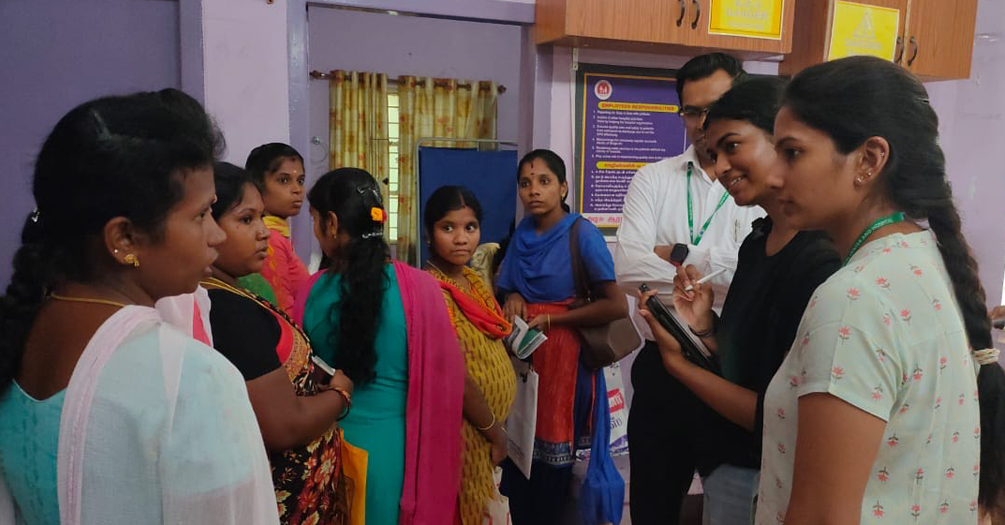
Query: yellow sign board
x=858, y=29
x=638, y=106
x=747, y=18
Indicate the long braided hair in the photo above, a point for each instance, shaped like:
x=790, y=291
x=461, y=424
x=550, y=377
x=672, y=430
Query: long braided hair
x=856, y=98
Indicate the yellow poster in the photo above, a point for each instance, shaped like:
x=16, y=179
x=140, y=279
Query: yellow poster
x=859, y=29
x=747, y=18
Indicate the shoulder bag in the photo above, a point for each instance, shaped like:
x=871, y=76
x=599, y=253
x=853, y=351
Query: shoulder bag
x=603, y=344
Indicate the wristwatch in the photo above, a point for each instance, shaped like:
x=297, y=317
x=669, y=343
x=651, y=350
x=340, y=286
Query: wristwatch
x=678, y=254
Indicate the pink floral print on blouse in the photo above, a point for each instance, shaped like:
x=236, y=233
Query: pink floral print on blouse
x=884, y=335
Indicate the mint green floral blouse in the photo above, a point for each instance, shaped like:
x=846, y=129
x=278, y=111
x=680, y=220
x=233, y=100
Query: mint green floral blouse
x=885, y=335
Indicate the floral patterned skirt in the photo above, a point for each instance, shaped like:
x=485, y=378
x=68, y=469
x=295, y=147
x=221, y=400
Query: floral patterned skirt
x=311, y=488
x=309, y=483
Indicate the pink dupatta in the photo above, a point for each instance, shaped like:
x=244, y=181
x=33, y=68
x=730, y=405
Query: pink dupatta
x=435, y=392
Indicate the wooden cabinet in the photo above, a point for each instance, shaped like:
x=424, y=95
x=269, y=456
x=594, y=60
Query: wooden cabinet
x=811, y=41
x=672, y=26
x=635, y=20
x=935, y=38
x=939, y=39
x=698, y=35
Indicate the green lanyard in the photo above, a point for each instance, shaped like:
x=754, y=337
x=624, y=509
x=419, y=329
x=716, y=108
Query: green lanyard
x=877, y=224
x=690, y=211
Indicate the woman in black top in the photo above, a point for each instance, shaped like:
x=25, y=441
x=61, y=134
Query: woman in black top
x=777, y=271
x=296, y=405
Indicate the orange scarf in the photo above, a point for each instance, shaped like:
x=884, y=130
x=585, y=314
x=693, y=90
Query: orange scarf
x=482, y=310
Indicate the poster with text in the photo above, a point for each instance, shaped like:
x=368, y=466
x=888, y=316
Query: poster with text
x=858, y=29
x=625, y=118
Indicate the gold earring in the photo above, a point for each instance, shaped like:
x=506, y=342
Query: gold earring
x=132, y=259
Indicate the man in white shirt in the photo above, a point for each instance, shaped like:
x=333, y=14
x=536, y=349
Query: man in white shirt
x=676, y=213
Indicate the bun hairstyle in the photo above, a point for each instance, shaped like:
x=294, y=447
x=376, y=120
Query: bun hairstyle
x=856, y=98
x=555, y=164
x=122, y=156
x=754, y=99
x=352, y=195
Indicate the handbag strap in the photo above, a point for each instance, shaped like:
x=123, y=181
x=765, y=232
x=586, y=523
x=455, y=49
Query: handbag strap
x=578, y=271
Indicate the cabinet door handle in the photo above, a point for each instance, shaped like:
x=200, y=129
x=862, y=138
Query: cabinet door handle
x=697, y=14
x=683, y=11
x=914, y=56
x=900, y=50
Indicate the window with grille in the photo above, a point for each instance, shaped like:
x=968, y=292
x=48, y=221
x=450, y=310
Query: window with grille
x=392, y=165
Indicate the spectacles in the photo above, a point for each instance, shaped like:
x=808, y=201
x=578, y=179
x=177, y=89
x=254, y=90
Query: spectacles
x=693, y=112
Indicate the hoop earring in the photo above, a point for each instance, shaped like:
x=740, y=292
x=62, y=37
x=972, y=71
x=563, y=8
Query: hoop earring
x=132, y=259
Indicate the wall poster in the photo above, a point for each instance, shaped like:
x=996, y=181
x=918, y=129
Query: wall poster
x=624, y=119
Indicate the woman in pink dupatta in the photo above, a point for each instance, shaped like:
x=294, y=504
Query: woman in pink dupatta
x=386, y=326
x=110, y=413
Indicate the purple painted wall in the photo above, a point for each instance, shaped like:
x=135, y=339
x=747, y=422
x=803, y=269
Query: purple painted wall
x=972, y=125
x=405, y=45
x=55, y=54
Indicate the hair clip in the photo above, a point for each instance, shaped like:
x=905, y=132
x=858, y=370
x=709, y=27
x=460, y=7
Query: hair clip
x=378, y=215
x=988, y=356
x=371, y=235
x=103, y=132
x=373, y=191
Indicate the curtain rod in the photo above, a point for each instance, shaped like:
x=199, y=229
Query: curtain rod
x=319, y=75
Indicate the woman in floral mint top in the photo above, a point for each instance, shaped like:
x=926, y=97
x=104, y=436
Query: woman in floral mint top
x=875, y=416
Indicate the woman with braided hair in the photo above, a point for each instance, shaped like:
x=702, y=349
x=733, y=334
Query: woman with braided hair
x=386, y=326
x=110, y=414
x=890, y=403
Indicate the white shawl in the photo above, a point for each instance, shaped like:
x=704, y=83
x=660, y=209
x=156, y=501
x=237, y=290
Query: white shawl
x=159, y=432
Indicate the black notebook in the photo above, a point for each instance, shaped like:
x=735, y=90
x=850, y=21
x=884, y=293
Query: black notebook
x=690, y=345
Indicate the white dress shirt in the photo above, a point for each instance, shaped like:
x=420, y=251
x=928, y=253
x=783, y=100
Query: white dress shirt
x=655, y=214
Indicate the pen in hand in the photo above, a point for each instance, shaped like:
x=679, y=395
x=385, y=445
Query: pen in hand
x=705, y=279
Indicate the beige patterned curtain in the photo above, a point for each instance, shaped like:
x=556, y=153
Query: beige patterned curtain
x=357, y=122
x=442, y=108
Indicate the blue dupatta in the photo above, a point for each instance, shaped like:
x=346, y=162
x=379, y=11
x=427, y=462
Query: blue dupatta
x=538, y=266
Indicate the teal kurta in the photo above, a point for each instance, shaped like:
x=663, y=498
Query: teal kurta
x=377, y=420
x=29, y=440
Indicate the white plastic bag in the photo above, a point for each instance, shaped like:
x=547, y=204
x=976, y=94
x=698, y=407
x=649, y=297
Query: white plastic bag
x=619, y=410
x=521, y=424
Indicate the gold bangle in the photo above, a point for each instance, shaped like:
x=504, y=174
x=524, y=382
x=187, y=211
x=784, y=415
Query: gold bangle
x=492, y=424
x=549, y=322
